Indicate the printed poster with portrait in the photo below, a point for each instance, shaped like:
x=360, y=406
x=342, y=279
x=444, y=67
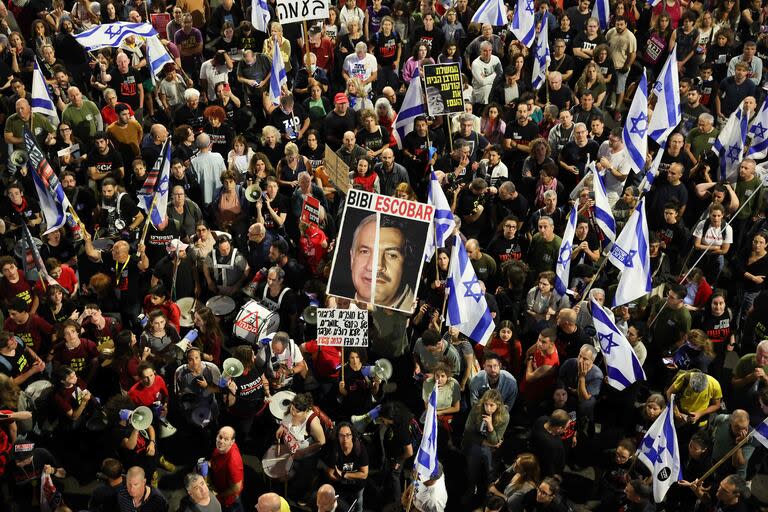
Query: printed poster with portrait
x=380, y=249
x=442, y=84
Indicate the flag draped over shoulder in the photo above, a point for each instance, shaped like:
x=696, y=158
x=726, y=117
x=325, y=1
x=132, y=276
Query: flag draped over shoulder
x=729, y=145
x=41, y=101
x=563, y=265
x=668, y=112
x=413, y=107
x=467, y=307
x=523, y=24
x=660, y=453
x=623, y=366
x=443, y=223
x=426, y=457
x=630, y=254
x=153, y=196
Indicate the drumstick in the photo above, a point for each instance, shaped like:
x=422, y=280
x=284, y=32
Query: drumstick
x=278, y=450
x=277, y=459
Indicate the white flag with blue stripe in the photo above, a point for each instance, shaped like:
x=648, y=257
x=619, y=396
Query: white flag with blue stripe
x=602, y=11
x=668, y=112
x=623, y=366
x=260, y=15
x=653, y=170
x=563, y=265
x=630, y=254
x=278, y=77
x=41, y=101
x=413, y=107
x=523, y=24
x=603, y=213
x=541, y=57
x=761, y=432
x=493, y=12
x=157, y=54
x=426, y=457
x=112, y=34
x=635, y=132
x=154, y=193
x=443, y=223
x=758, y=147
x=660, y=452
x=653, y=3
x=467, y=308
x=729, y=145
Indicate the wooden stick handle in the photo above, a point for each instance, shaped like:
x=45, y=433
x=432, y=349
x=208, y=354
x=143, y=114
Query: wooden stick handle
x=726, y=457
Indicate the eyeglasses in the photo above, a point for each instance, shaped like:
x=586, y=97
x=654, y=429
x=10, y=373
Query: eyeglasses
x=544, y=493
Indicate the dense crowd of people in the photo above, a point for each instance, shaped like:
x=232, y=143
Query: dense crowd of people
x=114, y=368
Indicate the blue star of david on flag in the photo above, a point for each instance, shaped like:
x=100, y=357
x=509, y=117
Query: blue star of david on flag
x=622, y=255
x=641, y=118
x=565, y=253
x=758, y=130
x=469, y=285
x=529, y=6
x=734, y=153
x=606, y=346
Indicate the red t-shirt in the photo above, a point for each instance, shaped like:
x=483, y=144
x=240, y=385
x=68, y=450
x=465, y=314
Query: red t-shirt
x=533, y=391
x=312, y=251
x=67, y=279
x=169, y=309
x=325, y=360
x=66, y=398
x=157, y=392
x=33, y=333
x=226, y=470
x=20, y=288
x=78, y=357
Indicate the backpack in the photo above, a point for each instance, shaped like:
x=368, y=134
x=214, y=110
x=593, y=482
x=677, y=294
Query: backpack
x=325, y=421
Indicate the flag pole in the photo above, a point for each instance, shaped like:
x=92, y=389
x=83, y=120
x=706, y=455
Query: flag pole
x=148, y=221
x=725, y=457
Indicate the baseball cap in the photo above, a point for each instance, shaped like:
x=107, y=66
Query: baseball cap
x=176, y=245
x=23, y=450
x=340, y=98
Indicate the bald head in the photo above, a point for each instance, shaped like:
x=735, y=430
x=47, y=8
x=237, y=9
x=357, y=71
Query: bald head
x=326, y=498
x=159, y=133
x=268, y=502
x=23, y=109
x=75, y=96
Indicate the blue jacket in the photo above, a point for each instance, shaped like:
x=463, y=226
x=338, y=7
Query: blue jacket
x=507, y=386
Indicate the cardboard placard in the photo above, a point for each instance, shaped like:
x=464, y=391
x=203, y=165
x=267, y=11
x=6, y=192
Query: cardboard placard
x=443, y=89
x=342, y=327
x=291, y=11
x=380, y=250
x=337, y=170
x=310, y=211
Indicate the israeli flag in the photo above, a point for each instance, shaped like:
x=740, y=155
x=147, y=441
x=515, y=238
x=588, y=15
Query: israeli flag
x=635, y=132
x=541, y=57
x=112, y=34
x=623, y=366
x=413, y=107
x=758, y=147
x=602, y=11
x=41, y=102
x=761, y=432
x=523, y=24
x=157, y=54
x=660, y=452
x=493, y=12
x=729, y=145
x=260, y=15
x=653, y=170
x=426, y=457
x=631, y=256
x=653, y=3
x=467, y=308
x=668, y=112
x=563, y=266
x=154, y=194
x=278, y=77
x=53, y=211
x=603, y=213
x=443, y=223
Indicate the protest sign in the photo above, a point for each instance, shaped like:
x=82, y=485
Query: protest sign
x=443, y=88
x=379, y=252
x=291, y=11
x=337, y=170
x=310, y=211
x=342, y=327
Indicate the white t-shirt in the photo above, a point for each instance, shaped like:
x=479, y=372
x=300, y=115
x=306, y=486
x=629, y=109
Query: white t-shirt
x=620, y=162
x=213, y=74
x=363, y=68
x=713, y=234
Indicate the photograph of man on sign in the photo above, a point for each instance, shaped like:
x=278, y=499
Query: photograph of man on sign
x=385, y=276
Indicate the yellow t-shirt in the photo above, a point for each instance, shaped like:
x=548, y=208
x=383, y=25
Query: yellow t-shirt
x=689, y=400
x=284, y=507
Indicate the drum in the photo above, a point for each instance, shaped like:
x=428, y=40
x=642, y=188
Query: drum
x=278, y=463
x=222, y=306
x=281, y=403
x=103, y=244
x=186, y=307
x=254, y=321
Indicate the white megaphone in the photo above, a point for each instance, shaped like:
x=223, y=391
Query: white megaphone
x=166, y=429
x=232, y=368
x=186, y=341
x=361, y=421
x=381, y=369
x=140, y=418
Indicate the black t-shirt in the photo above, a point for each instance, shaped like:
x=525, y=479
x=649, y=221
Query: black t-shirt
x=503, y=250
x=20, y=216
x=185, y=276
x=157, y=241
x=109, y=163
x=521, y=135
x=356, y=459
x=560, y=97
x=373, y=141
x=548, y=448
x=18, y=362
x=192, y=117
x=103, y=498
x=572, y=154
x=127, y=86
x=280, y=204
x=396, y=439
x=582, y=42
x=385, y=47
x=125, y=276
x=288, y=123
x=467, y=203
x=434, y=39
x=250, y=394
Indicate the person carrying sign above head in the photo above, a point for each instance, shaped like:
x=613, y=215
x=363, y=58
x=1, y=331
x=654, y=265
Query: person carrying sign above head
x=394, y=250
